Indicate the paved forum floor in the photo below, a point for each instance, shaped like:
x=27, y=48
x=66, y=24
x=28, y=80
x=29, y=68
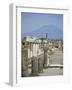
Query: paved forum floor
x=56, y=58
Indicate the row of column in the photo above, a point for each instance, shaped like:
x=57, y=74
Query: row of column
x=37, y=64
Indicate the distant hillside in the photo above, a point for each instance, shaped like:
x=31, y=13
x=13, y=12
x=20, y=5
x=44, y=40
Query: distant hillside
x=52, y=31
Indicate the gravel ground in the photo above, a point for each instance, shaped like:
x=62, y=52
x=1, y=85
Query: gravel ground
x=52, y=72
x=56, y=58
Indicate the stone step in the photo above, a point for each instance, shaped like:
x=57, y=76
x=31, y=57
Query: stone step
x=55, y=66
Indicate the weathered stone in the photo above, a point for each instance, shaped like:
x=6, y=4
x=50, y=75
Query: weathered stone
x=25, y=71
x=40, y=64
x=24, y=63
x=34, y=66
x=46, y=59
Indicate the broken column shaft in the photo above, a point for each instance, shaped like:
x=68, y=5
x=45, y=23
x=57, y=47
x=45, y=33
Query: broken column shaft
x=24, y=62
x=34, y=66
x=46, y=59
x=40, y=64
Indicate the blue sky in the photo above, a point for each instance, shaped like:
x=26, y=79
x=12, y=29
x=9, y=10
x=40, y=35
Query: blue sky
x=33, y=21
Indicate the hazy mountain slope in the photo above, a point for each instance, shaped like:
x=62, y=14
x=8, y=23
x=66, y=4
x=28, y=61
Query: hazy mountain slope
x=52, y=31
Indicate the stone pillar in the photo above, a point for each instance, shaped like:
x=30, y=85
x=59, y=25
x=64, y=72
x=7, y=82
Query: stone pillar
x=40, y=64
x=46, y=59
x=34, y=66
x=24, y=63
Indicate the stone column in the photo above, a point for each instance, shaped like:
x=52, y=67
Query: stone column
x=34, y=66
x=46, y=58
x=24, y=63
x=40, y=64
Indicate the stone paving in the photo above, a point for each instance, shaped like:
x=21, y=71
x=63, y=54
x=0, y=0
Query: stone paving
x=52, y=72
x=56, y=58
